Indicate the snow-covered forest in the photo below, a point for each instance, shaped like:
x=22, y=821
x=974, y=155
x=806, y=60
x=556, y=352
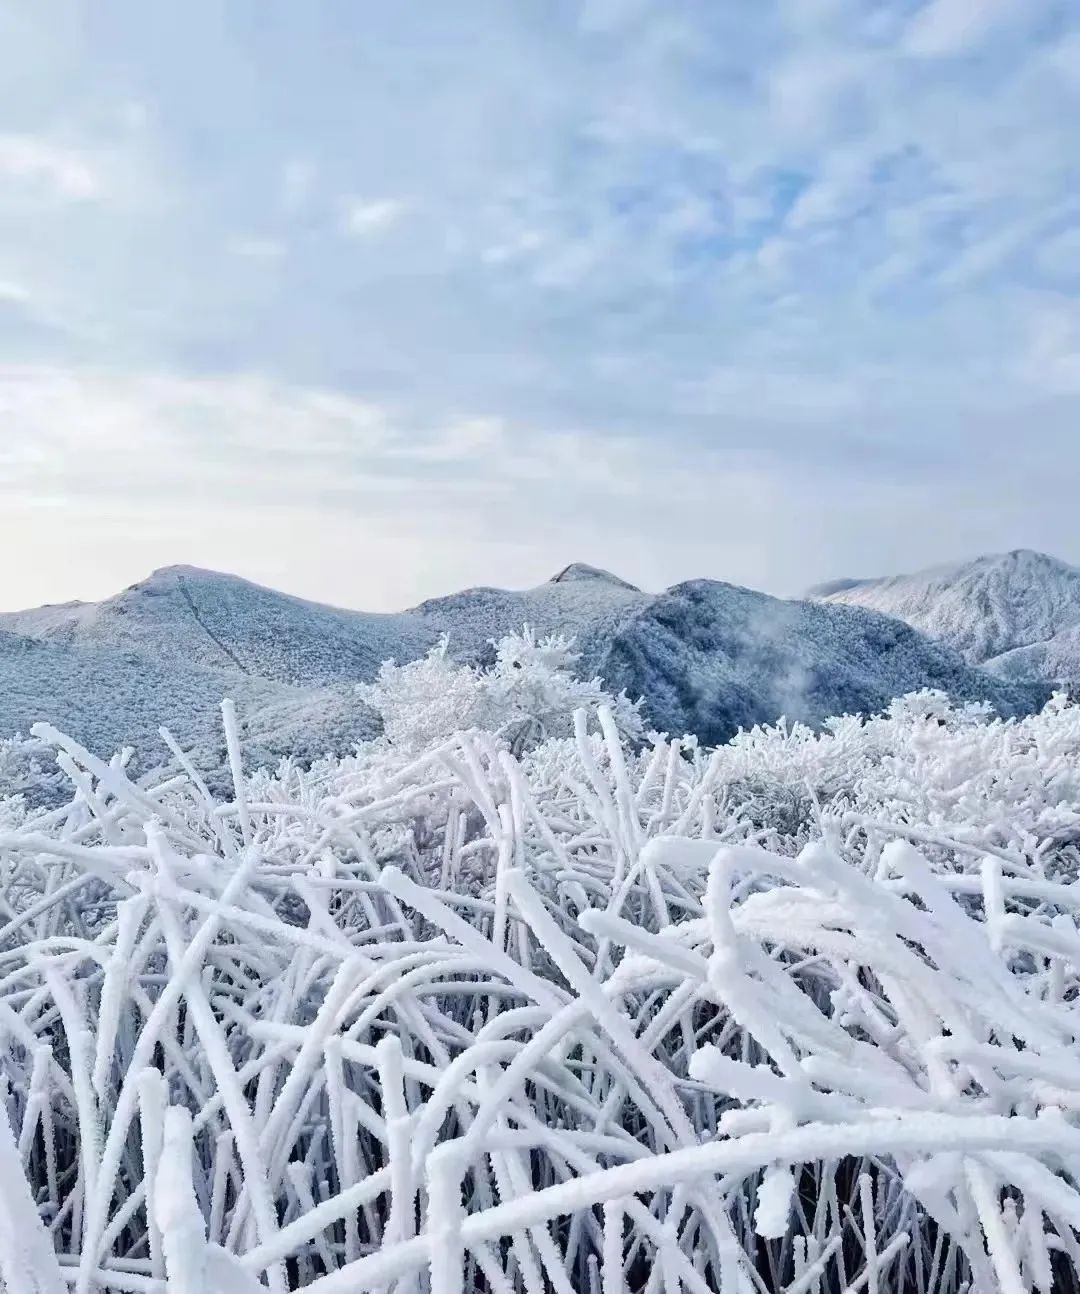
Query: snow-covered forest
x=522, y=997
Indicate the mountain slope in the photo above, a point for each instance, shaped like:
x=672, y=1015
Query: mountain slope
x=581, y=602
x=167, y=650
x=1056, y=660
x=223, y=622
x=711, y=658
x=987, y=609
x=108, y=698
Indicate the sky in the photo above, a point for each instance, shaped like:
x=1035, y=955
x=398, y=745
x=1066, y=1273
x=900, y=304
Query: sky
x=370, y=301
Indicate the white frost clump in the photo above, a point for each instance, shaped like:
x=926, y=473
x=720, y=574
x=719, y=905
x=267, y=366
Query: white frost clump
x=604, y=1017
x=529, y=695
x=29, y=775
x=950, y=770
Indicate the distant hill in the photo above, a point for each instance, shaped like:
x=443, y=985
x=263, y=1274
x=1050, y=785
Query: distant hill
x=1016, y=613
x=1056, y=660
x=707, y=657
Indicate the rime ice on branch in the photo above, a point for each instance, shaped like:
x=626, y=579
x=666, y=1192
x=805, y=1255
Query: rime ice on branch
x=799, y=1014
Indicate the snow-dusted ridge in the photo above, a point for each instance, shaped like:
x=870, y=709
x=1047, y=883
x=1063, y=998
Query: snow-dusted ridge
x=194, y=616
x=582, y=571
x=989, y=609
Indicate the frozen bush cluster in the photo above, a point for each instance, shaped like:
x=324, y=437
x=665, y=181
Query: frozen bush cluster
x=945, y=770
x=478, y=1010
x=529, y=695
x=29, y=776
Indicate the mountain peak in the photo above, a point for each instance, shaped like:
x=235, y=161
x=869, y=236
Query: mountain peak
x=171, y=574
x=578, y=571
x=1031, y=558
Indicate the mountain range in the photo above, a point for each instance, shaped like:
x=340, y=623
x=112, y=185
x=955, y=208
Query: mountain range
x=707, y=657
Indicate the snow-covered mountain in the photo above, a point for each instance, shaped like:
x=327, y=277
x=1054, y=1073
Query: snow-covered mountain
x=1016, y=613
x=199, y=617
x=1057, y=659
x=582, y=601
x=711, y=658
x=707, y=657
x=109, y=696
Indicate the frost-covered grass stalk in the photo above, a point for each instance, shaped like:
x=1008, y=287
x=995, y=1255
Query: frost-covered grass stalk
x=800, y=1014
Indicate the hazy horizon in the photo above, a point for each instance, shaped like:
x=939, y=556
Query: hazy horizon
x=398, y=301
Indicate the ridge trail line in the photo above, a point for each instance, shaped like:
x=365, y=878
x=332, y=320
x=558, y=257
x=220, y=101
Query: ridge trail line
x=186, y=594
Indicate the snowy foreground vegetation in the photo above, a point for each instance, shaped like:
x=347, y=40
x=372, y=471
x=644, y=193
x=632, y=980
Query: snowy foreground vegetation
x=517, y=998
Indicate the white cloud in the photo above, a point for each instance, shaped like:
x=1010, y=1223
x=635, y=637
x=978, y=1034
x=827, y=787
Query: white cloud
x=596, y=240
x=258, y=249
x=806, y=89
x=363, y=218
x=287, y=484
x=297, y=487
x=37, y=162
x=96, y=431
x=842, y=187
x=1064, y=58
x=516, y=247
x=944, y=28
x=985, y=253
x=14, y=292
x=609, y=15
x=465, y=439
x=135, y=115
x=762, y=393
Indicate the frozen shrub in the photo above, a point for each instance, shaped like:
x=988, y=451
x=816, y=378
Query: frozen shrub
x=28, y=772
x=528, y=695
x=464, y=1021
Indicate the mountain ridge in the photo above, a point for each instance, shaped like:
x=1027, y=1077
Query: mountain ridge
x=1014, y=613
x=706, y=656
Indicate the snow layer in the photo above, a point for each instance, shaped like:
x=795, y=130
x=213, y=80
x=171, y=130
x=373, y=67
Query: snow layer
x=988, y=609
x=581, y=601
x=1057, y=659
x=112, y=697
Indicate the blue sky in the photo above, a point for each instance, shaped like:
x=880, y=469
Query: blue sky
x=371, y=301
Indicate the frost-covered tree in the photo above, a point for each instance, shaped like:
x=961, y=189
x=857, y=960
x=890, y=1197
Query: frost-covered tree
x=527, y=696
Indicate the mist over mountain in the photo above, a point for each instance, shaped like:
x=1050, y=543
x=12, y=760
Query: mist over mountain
x=711, y=658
